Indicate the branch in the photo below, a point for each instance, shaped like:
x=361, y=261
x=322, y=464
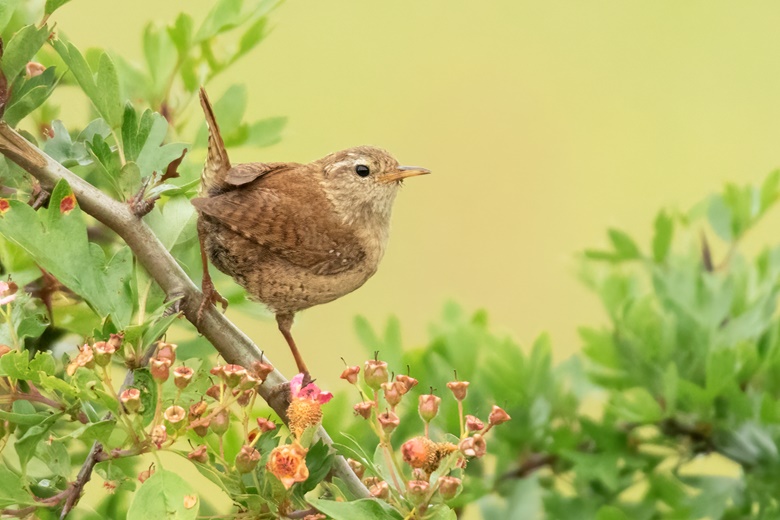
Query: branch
x=232, y=344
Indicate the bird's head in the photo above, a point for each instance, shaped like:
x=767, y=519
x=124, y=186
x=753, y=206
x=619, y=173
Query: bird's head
x=362, y=182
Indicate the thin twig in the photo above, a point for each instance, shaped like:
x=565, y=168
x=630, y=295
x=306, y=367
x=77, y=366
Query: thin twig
x=232, y=344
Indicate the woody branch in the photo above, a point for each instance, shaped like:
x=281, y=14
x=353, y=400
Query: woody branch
x=232, y=344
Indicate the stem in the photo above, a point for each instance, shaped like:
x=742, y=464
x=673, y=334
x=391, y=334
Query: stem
x=11, y=329
x=460, y=416
x=233, y=345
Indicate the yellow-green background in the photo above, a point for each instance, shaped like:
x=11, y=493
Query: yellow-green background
x=544, y=122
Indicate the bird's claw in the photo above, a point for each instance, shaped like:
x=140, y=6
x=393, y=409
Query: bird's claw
x=210, y=297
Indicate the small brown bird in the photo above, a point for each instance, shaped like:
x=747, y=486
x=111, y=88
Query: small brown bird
x=295, y=235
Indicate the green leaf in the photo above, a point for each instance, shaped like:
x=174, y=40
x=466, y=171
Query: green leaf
x=363, y=508
x=21, y=49
x=53, y=5
x=57, y=239
x=56, y=457
x=163, y=496
x=12, y=492
x=181, y=34
x=225, y=15
x=662, y=239
x=7, y=8
x=251, y=37
x=161, y=56
x=153, y=155
x=266, y=132
x=770, y=190
x=637, y=405
x=29, y=96
x=108, y=102
x=611, y=513
x=624, y=245
x=26, y=444
x=174, y=223
x=102, y=90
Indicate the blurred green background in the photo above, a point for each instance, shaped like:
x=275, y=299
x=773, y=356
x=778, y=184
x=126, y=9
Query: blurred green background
x=544, y=122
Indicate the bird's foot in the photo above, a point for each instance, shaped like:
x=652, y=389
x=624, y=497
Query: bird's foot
x=210, y=297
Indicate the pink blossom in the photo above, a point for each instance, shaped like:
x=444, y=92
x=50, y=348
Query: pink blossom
x=310, y=391
x=7, y=293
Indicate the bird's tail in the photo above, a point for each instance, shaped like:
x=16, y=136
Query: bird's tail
x=217, y=163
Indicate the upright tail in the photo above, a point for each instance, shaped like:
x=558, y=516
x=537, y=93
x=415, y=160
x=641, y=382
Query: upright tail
x=217, y=163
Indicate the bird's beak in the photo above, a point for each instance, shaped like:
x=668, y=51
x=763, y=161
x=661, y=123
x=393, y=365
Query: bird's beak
x=403, y=172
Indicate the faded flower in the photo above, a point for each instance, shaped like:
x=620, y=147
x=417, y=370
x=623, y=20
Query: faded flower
x=288, y=463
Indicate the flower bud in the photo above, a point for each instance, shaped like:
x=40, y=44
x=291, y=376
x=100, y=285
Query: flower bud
x=428, y=407
x=358, y=468
x=166, y=351
x=33, y=68
x=379, y=489
x=144, y=475
x=458, y=389
x=196, y=410
x=116, y=340
x=249, y=382
x=131, y=399
x=244, y=397
x=4, y=349
x=201, y=426
x=182, y=377
x=159, y=435
x=473, y=424
x=233, y=374
x=364, y=409
x=215, y=392
x=247, y=459
x=103, y=352
x=261, y=370
x=350, y=374
x=199, y=454
x=220, y=423
x=175, y=417
x=265, y=425
x=473, y=446
x=497, y=416
x=389, y=421
x=160, y=368
x=449, y=487
x=375, y=373
x=393, y=391
x=407, y=381
x=417, y=491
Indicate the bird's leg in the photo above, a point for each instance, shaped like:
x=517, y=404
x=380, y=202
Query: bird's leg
x=285, y=322
x=210, y=294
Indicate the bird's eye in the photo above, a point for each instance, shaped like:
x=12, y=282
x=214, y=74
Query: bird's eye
x=362, y=170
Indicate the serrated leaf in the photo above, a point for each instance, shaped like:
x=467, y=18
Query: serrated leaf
x=153, y=155
x=57, y=238
x=164, y=495
x=181, y=33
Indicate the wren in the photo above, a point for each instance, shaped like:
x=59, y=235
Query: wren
x=295, y=235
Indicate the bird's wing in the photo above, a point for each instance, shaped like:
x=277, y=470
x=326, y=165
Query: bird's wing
x=304, y=234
